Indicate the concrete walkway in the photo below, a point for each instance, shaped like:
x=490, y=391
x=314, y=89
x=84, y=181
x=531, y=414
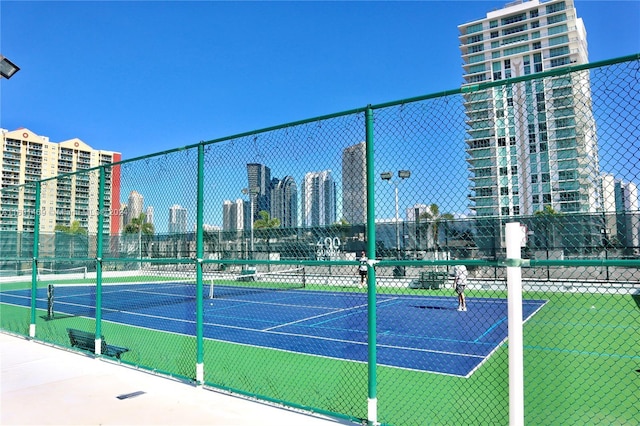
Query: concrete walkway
x=45, y=385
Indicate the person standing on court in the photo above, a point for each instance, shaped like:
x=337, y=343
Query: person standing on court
x=459, y=284
x=362, y=269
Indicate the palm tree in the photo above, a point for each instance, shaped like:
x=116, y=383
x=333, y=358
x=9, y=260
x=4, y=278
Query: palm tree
x=139, y=225
x=266, y=223
x=434, y=218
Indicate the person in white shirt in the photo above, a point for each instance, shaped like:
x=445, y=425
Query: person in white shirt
x=459, y=284
x=362, y=269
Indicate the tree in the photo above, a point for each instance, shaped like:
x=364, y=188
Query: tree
x=434, y=218
x=548, y=216
x=266, y=223
x=73, y=232
x=74, y=229
x=139, y=225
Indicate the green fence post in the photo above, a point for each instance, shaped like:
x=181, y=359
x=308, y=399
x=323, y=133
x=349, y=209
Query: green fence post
x=99, y=262
x=372, y=409
x=34, y=263
x=199, y=256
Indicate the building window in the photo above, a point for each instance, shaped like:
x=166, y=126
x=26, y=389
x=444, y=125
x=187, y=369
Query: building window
x=505, y=211
x=566, y=175
x=534, y=178
x=534, y=13
x=555, y=7
x=516, y=210
x=514, y=18
x=560, y=62
x=494, y=34
x=559, y=51
x=516, y=29
x=546, y=198
x=504, y=190
x=559, y=29
x=557, y=18
x=484, y=192
x=484, y=172
x=474, y=39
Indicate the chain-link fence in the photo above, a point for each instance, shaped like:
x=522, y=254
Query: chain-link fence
x=317, y=264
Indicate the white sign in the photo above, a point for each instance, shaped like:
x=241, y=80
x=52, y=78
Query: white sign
x=328, y=248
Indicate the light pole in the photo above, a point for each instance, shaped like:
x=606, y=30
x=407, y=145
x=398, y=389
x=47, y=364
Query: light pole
x=140, y=243
x=7, y=68
x=402, y=174
x=252, y=193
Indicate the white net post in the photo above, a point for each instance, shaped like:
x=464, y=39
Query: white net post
x=514, y=239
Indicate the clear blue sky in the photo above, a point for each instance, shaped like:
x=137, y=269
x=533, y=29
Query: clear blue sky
x=141, y=77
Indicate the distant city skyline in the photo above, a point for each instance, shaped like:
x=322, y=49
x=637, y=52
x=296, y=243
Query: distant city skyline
x=166, y=185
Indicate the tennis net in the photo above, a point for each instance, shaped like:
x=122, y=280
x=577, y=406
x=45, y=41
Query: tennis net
x=250, y=281
x=122, y=294
x=68, y=273
x=147, y=289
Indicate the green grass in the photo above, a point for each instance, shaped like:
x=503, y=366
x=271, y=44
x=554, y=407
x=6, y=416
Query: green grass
x=581, y=356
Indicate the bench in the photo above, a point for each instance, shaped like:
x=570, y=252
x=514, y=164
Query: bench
x=432, y=280
x=87, y=341
x=247, y=274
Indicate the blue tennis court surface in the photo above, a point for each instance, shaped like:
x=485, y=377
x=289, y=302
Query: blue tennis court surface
x=424, y=333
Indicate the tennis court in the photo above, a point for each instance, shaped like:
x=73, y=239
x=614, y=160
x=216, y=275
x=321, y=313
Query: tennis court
x=415, y=332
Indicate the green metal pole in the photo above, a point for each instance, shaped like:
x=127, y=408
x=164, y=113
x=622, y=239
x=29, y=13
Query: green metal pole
x=372, y=409
x=99, y=244
x=199, y=256
x=34, y=263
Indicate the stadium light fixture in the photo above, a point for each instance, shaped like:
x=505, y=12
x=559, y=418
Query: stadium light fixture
x=7, y=68
x=252, y=193
x=402, y=174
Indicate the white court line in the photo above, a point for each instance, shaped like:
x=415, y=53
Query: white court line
x=321, y=315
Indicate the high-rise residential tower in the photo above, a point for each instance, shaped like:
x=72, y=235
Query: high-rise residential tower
x=177, y=219
x=531, y=144
x=354, y=184
x=259, y=181
x=135, y=204
x=233, y=215
x=318, y=199
x=27, y=157
x=284, y=202
x=149, y=215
